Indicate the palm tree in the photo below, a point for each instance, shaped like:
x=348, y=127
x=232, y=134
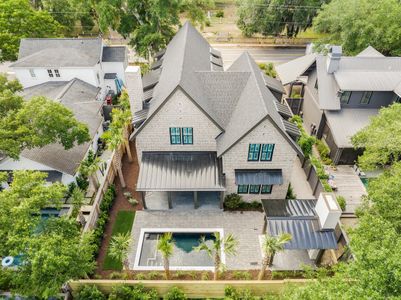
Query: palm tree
x=119, y=246
x=114, y=142
x=122, y=118
x=229, y=244
x=165, y=246
x=89, y=168
x=271, y=245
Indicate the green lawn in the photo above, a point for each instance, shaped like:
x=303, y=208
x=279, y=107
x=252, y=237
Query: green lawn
x=123, y=224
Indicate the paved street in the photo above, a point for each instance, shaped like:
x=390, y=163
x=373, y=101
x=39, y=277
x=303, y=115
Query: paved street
x=259, y=53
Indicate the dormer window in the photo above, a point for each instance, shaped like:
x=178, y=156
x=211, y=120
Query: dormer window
x=32, y=72
x=50, y=73
x=57, y=73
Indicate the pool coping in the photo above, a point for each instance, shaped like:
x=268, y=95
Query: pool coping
x=137, y=267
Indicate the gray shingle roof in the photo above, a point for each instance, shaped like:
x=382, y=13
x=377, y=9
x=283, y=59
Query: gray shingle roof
x=273, y=83
x=289, y=72
x=227, y=98
x=55, y=53
x=80, y=97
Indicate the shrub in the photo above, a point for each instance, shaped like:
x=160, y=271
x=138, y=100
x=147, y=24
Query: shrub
x=242, y=275
x=208, y=23
x=321, y=173
x=234, y=294
x=220, y=14
x=268, y=69
x=305, y=141
x=115, y=275
x=205, y=276
x=326, y=186
x=124, y=292
x=290, y=193
x=6, y=276
x=153, y=275
x=140, y=276
x=324, y=152
x=82, y=182
x=175, y=294
x=90, y=292
x=233, y=201
x=341, y=201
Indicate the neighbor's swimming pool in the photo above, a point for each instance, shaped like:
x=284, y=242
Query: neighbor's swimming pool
x=184, y=256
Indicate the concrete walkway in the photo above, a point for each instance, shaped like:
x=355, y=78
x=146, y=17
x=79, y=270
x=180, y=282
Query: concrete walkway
x=300, y=185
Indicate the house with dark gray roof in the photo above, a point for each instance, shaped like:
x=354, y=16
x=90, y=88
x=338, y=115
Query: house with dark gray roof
x=60, y=164
x=203, y=132
x=340, y=94
x=42, y=60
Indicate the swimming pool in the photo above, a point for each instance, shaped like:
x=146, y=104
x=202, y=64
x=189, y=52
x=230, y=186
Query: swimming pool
x=184, y=256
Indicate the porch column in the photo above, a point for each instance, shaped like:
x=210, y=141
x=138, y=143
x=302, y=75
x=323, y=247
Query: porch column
x=143, y=200
x=221, y=200
x=264, y=225
x=170, y=202
x=196, y=204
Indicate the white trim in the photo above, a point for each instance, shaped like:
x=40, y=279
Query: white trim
x=173, y=230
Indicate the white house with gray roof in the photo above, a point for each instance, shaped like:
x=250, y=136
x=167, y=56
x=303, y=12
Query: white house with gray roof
x=341, y=93
x=88, y=59
x=203, y=132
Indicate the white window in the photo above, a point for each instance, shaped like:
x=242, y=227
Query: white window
x=32, y=72
x=50, y=73
x=57, y=73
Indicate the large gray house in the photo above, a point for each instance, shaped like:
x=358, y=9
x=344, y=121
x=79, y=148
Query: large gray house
x=202, y=132
x=340, y=94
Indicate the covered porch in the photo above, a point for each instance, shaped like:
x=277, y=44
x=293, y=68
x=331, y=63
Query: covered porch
x=181, y=180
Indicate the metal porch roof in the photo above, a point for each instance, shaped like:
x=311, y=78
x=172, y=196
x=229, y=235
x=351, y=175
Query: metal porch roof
x=289, y=208
x=179, y=171
x=305, y=233
x=256, y=177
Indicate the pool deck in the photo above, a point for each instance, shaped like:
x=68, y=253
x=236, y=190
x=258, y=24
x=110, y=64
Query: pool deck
x=246, y=228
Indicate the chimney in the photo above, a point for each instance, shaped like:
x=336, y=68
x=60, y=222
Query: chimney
x=328, y=211
x=333, y=59
x=133, y=84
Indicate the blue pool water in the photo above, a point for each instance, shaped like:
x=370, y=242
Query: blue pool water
x=187, y=241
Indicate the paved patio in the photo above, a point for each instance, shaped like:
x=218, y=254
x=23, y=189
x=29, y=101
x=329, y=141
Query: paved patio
x=349, y=185
x=244, y=226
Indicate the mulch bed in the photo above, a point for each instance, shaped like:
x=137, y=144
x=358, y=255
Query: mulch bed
x=130, y=172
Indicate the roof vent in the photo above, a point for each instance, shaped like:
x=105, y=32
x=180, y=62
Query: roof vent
x=328, y=211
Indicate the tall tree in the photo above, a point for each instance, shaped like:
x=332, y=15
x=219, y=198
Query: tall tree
x=53, y=250
x=271, y=245
x=358, y=24
x=19, y=20
x=381, y=139
x=276, y=17
x=165, y=246
x=229, y=244
x=35, y=123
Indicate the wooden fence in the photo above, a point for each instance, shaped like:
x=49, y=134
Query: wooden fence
x=196, y=288
x=312, y=178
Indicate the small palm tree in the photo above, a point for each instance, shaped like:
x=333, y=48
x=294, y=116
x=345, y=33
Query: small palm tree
x=122, y=118
x=114, y=141
x=271, y=245
x=119, y=247
x=165, y=246
x=89, y=168
x=229, y=244
x=77, y=199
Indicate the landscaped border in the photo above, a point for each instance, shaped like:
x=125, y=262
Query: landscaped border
x=137, y=267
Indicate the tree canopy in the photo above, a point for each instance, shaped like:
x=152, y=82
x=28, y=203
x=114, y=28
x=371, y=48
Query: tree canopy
x=358, y=24
x=381, y=139
x=35, y=123
x=276, y=17
x=53, y=250
x=18, y=19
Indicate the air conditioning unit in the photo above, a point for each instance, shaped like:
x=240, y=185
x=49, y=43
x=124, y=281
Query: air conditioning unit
x=328, y=211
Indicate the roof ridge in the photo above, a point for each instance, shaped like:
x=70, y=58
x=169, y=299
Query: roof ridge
x=65, y=89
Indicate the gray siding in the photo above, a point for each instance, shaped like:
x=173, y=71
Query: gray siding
x=237, y=158
x=377, y=100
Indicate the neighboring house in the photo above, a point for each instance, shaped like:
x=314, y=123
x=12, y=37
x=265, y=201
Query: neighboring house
x=202, y=132
x=341, y=94
x=60, y=164
x=43, y=60
x=316, y=237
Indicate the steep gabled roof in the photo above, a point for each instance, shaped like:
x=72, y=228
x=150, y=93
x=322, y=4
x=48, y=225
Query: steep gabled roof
x=290, y=71
x=255, y=104
x=56, y=52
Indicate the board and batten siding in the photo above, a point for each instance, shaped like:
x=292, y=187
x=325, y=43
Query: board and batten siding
x=237, y=158
x=178, y=111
